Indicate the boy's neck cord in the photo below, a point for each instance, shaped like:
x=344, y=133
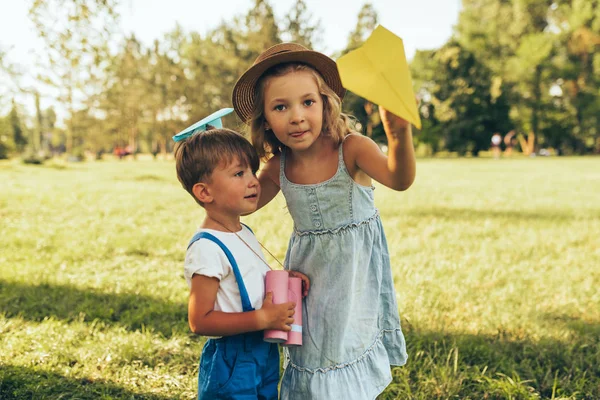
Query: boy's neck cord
x=250, y=247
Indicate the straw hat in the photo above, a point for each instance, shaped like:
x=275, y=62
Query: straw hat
x=244, y=90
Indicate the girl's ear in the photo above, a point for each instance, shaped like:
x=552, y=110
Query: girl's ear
x=202, y=192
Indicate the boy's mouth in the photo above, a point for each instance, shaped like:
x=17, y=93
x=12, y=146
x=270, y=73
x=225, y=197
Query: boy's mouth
x=252, y=196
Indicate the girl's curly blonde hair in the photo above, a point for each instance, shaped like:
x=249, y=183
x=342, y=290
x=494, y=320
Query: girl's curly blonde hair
x=335, y=123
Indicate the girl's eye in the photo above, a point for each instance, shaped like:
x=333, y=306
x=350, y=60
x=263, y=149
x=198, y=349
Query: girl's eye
x=309, y=103
x=279, y=107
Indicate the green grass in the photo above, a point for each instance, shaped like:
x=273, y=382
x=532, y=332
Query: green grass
x=496, y=262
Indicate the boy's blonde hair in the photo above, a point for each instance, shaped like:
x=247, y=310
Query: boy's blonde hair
x=335, y=123
x=197, y=157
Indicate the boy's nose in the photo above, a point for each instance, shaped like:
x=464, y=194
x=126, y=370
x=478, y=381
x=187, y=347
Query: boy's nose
x=253, y=181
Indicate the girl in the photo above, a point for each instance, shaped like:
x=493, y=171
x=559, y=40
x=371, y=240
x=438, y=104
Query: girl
x=291, y=98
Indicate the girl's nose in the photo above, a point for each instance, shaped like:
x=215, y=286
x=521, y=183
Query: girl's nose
x=297, y=115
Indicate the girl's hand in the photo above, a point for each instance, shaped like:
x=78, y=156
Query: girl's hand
x=305, y=281
x=393, y=124
x=277, y=316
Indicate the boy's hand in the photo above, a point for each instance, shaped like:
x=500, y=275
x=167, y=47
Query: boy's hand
x=393, y=124
x=305, y=281
x=277, y=316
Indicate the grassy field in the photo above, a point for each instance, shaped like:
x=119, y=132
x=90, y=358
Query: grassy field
x=496, y=262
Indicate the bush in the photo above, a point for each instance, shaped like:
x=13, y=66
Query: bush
x=31, y=158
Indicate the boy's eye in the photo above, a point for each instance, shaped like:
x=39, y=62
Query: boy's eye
x=239, y=173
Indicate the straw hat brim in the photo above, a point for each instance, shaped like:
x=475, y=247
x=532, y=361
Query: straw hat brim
x=244, y=90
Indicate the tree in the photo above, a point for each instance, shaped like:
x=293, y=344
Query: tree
x=212, y=63
x=355, y=105
x=424, y=69
x=577, y=70
x=7, y=144
x=299, y=28
x=76, y=54
x=260, y=29
x=479, y=108
x=171, y=90
x=366, y=23
x=48, y=129
x=125, y=96
x=460, y=105
x=516, y=41
x=18, y=134
x=10, y=77
x=36, y=133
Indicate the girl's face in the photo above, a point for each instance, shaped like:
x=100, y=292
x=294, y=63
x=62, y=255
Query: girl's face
x=294, y=109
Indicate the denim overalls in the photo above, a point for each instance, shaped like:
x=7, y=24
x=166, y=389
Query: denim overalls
x=242, y=366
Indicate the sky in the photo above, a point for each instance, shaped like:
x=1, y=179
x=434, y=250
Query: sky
x=422, y=24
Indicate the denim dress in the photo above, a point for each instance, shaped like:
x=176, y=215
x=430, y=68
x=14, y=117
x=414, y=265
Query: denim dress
x=351, y=327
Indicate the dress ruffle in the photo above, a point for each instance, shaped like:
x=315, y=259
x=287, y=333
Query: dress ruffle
x=339, y=229
x=362, y=378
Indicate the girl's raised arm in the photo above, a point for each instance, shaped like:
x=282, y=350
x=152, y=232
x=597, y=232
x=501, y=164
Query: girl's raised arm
x=396, y=170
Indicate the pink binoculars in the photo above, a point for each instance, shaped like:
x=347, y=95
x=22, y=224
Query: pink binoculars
x=285, y=288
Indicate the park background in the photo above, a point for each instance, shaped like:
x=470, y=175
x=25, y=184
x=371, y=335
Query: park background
x=496, y=256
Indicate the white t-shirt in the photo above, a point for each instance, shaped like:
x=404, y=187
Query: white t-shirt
x=205, y=257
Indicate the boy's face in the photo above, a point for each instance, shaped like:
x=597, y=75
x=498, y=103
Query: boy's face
x=234, y=189
x=294, y=109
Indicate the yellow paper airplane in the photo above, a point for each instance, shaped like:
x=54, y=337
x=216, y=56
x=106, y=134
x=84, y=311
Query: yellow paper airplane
x=378, y=71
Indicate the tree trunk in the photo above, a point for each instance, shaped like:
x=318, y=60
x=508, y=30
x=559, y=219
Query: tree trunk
x=133, y=139
x=163, y=146
x=535, y=109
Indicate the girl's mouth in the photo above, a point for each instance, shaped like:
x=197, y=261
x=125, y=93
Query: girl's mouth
x=297, y=134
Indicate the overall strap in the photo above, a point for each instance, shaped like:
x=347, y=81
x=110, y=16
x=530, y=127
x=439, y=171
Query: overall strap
x=247, y=227
x=246, y=304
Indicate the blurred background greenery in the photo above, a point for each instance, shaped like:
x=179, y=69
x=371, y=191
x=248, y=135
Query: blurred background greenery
x=526, y=69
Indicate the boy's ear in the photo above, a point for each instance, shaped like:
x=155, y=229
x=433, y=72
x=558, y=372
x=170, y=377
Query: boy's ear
x=202, y=192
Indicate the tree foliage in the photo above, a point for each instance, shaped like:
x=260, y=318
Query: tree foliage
x=76, y=34
x=543, y=53
x=300, y=28
x=529, y=66
x=464, y=109
x=361, y=109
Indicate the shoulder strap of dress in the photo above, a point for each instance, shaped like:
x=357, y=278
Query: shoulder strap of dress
x=282, y=168
x=341, y=150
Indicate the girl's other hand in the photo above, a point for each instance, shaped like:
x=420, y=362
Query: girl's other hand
x=305, y=281
x=277, y=316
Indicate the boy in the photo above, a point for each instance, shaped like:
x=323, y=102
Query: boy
x=226, y=271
